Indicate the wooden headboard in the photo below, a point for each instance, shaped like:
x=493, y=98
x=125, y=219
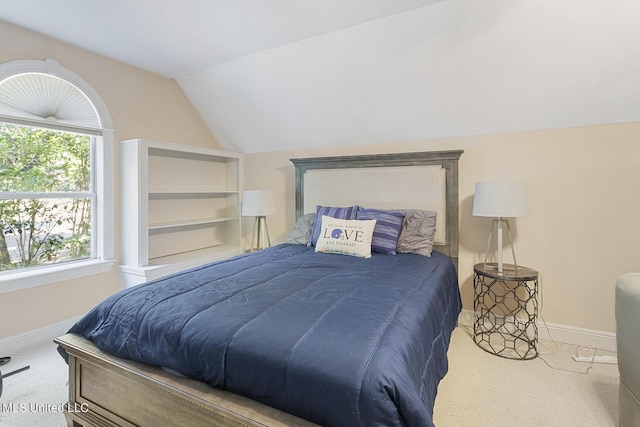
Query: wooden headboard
x=420, y=180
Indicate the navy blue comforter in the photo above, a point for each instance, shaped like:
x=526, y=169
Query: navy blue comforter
x=335, y=339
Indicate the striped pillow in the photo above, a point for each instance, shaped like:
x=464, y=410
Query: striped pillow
x=334, y=212
x=387, y=231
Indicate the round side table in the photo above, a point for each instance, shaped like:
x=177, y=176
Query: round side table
x=506, y=310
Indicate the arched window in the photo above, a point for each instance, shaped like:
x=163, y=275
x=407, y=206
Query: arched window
x=56, y=176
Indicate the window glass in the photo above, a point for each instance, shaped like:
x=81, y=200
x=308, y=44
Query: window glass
x=47, y=198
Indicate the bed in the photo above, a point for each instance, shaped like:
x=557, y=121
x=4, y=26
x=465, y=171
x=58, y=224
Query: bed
x=287, y=335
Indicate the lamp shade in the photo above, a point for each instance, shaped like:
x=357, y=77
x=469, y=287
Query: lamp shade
x=259, y=203
x=501, y=199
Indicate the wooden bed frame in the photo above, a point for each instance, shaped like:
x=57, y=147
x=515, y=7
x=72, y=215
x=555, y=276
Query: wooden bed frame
x=108, y=391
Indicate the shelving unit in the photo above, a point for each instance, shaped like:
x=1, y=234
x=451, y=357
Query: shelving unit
x=180, y=207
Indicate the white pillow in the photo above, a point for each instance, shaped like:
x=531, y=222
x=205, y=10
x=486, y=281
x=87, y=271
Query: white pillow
x=346, y=236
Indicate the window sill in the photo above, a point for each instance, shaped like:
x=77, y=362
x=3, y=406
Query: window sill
x=12, y=282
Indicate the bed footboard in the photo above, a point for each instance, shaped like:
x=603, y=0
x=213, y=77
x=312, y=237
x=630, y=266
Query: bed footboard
x=107, y=391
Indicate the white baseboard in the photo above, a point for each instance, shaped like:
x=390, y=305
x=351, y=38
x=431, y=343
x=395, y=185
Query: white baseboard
x=16, y=343
x=561, y=333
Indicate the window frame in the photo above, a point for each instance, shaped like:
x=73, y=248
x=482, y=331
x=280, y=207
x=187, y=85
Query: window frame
x=103, y=163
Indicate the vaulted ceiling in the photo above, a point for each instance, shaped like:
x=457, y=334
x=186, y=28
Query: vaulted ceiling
x=283, y=74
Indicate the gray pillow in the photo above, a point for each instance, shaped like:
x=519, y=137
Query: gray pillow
x=301, y=233
x=418, y=232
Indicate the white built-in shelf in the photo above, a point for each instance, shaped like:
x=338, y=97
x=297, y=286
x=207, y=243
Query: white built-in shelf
x=199, y=256
x=163, y=266
x=180, y=207
x=188, y=194
x=188, y=223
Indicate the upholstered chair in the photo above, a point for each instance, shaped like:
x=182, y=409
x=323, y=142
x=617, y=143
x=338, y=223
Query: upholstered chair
x=627, y=308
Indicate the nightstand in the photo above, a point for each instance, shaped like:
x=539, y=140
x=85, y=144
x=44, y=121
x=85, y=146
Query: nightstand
x=506, y=310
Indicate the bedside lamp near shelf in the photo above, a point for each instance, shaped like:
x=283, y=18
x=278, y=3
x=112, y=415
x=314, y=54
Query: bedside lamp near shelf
x=259, y=204
x=500, y=200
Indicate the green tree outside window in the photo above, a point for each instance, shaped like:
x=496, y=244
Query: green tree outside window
x=45, y=196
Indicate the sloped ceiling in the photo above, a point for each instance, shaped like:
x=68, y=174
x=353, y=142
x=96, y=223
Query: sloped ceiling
x=286, y=74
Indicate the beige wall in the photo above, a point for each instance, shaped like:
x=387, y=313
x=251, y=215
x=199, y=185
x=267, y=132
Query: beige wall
x=584, y=187
x=142, y=105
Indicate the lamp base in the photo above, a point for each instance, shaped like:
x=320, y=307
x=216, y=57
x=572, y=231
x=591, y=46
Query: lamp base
x=260, y=234
x=497, y=224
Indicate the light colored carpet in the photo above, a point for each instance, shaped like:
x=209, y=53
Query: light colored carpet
x=35, y=397
x=479, y=390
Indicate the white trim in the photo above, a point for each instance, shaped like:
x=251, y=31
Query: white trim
x=577, y=336
x=104, y=183
x=49, y=125
x=16, y=343
x=50, y=195
x=561, y=333
x=39, y=276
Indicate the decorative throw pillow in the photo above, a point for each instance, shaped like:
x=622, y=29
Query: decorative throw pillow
x=418, y=232
x=388, y=227
x=343, y=236
x=335, y=212
x=301, y=233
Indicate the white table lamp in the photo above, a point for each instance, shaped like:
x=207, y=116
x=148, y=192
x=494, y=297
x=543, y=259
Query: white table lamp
x=259, y=204
x=501, y=200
